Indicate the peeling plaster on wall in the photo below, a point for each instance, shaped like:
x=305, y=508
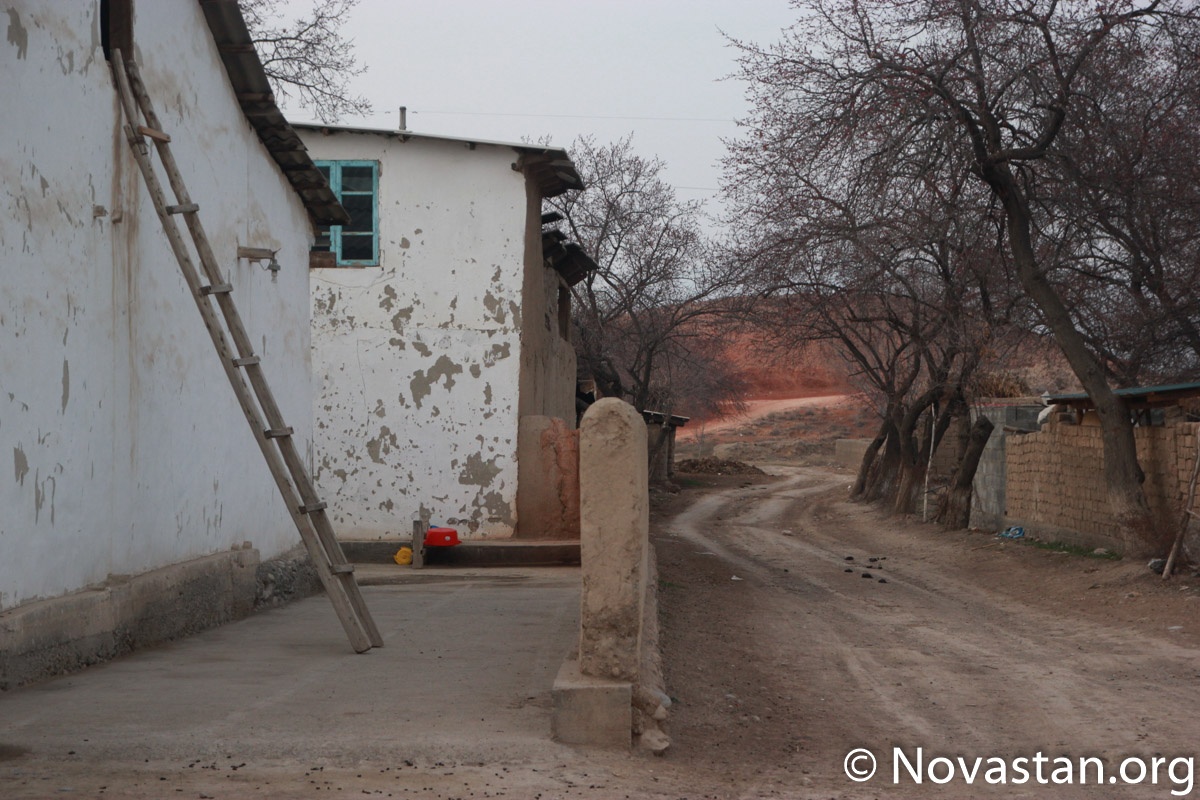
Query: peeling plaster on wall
x=39, y=493
x=498, y=507
x=389, y=298
x=422, y=384
x=477, y=472
x=22, y=465
x=495, y=308
x=422, y=349
x=66, y=384
x=401, y=318
x=476, y=371
x=382, y=445
x=497, y=353
x=17, y=35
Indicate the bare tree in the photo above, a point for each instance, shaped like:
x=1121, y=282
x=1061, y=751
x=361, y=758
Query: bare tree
x=896, y=88
x=308, y=57
x=645, y=318
x=898, y=269
x=1134, y=205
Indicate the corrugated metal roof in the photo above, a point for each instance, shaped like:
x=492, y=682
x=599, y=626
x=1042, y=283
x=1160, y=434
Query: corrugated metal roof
x=254, y=94
x=660, y=417
x=1145, y=395
x=550, y=167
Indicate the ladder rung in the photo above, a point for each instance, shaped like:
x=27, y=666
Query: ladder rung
x=320, y=505
x=183, y=208
x=341, y=569
x=217, y=288
x=153, y=134
x=248, y=361
x=278, y=433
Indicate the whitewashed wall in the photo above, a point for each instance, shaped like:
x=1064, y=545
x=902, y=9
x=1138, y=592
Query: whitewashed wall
x=129, y=451
x=418, y=360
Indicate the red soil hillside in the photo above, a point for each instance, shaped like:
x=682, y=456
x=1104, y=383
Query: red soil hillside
x=798, y=402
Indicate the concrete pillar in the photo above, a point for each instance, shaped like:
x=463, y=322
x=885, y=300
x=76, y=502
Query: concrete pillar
x=614, y=539
x=657, y=437
x=547, y=479
x=671, y=453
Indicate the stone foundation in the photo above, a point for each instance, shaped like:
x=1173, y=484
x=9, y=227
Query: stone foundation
x=61, y=635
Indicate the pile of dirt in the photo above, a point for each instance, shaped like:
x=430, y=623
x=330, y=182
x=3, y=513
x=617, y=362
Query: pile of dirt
x=716, y=466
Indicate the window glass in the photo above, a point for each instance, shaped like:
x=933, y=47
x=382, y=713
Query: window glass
x=358, y=179
x=361, y=208
x=357, y=247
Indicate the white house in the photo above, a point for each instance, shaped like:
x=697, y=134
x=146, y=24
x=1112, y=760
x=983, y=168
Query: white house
x=440, y=330
x=129, y=452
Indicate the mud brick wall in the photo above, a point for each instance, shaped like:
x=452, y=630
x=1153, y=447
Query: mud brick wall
x=1055, y=478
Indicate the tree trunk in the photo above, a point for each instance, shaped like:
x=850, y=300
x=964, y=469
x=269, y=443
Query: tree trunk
x=954, y=510
x=1122, y=475
x=908, y=488
x=868, y=459
x=914, y=454
x=882, y=480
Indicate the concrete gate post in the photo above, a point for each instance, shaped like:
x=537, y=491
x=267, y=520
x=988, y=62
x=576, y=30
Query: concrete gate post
x=593, y=696
x=614, y=504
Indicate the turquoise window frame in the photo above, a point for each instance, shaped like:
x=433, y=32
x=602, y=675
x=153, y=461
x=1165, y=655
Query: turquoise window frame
x=335, y=231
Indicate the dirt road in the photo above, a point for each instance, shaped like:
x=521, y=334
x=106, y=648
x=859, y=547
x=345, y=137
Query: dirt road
x=757, y=410
x=788, y=645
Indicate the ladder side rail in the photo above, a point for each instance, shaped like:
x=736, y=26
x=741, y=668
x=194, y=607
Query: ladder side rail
x=255, y=373
x=208, y=260
x=343, y=603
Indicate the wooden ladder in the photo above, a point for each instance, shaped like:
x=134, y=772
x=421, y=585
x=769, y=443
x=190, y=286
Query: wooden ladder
x=224, y=325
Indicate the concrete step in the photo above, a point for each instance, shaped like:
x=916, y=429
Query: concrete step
x=489, y=553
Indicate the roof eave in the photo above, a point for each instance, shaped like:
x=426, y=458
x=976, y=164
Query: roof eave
x=257, y=101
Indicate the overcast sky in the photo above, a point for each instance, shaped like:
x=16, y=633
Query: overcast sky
x=514, y=69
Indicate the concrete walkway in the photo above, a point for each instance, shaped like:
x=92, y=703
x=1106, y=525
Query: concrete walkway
x=465, y=675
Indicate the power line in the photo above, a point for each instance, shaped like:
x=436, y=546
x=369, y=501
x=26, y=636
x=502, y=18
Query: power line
x=570, y=116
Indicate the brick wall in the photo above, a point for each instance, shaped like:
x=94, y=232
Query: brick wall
x=1055, y=479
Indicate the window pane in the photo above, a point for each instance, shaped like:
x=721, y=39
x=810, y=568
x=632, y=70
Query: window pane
x=324, y=171
x=357, y=179
x=361, y=208
x=357, y=247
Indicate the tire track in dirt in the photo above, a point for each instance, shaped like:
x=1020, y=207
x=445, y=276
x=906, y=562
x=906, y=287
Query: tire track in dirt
x=934, y=657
